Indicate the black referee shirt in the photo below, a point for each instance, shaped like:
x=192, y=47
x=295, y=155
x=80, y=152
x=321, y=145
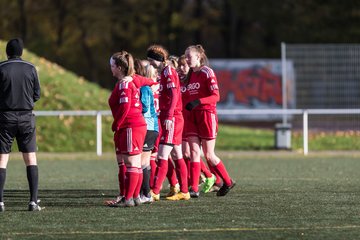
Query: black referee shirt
x=19, y=85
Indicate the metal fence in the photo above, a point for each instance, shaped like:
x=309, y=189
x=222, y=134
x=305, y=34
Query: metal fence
x=304, y=113
x=327, y=77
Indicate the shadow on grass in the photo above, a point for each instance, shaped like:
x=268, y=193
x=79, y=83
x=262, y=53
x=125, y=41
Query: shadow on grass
x=60, y=197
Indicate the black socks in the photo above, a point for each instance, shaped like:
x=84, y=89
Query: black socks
x=145, y=188
x=2, y=183
x=33, y=179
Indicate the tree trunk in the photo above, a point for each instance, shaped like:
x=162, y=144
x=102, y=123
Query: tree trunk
x=23, y=20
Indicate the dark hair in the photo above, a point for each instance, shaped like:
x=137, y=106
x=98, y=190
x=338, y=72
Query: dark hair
x=158, y=53
x=124, y=60
x=14, y=47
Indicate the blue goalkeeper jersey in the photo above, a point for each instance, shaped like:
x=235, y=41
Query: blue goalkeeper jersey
x=148, y=108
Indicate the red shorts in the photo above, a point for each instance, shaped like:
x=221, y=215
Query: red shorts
x=174, y=135
x=130, y=140
x=202, y=123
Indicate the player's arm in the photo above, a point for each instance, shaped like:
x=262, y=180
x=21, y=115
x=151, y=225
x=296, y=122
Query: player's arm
x=141, y=81
x=174, y=98
x=214, y=92
x=125, y=103
x=36, y=86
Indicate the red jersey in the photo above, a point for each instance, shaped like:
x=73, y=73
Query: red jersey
x=203, y=86
x=169, y=93
x=125, y=106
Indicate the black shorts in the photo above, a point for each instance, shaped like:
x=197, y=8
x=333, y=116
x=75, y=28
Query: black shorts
x=150, y=139
x=19, y=125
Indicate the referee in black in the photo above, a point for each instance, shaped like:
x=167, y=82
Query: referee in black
x=19, y=90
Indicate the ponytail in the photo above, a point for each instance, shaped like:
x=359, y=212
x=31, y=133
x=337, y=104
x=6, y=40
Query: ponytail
x=124, y=60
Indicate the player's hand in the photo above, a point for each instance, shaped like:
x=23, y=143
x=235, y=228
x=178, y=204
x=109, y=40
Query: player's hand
x=193, y=104
x=168, y=124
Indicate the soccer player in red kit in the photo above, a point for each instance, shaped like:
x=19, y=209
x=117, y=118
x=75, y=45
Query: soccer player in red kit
x=202, y=124
x=183, y=72
x=171, y=121
x=129, y=126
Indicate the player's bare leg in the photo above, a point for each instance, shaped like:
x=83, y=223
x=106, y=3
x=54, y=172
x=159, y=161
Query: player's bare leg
x=4, y=158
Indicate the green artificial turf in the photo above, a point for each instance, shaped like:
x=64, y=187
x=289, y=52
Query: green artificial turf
x=278, y=196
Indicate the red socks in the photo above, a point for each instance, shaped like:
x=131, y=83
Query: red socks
x=131, y=181
x=221, y=170
x=139, y=183
x=194, y=175
x=182, y=173
x=218, y=178
x=160, y=175
x=205, y=170
x=171, y=174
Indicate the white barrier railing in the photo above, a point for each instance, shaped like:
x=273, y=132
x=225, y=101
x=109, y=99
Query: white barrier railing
x=283, y=112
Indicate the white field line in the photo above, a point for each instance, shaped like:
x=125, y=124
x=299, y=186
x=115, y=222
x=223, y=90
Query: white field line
x=239, y=229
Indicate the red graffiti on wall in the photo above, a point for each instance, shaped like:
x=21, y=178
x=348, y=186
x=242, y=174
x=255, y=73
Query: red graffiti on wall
x=250, y=84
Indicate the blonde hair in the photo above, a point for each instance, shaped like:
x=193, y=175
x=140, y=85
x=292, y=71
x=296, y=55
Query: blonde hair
x=173, y=61
x=150, y=72
x=124, y=60
x=143, y=68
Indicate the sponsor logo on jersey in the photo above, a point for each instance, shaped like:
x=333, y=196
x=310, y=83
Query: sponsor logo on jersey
x=193, y=86
x=183, y=89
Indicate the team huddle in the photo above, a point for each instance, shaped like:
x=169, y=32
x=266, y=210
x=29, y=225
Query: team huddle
x=164, y=111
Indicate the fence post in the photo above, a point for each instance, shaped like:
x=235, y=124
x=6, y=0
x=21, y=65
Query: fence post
x=305, y=132
x=284, y=80
x=98, y=134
